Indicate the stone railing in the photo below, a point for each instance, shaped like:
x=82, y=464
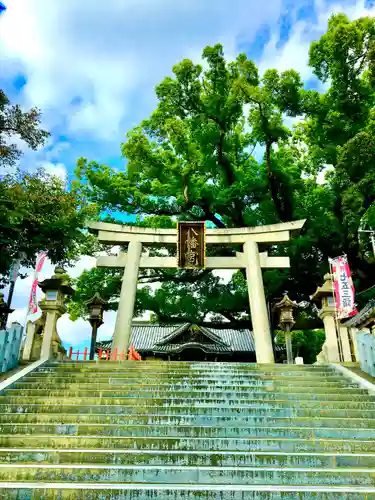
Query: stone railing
x=366, y=351
x=10, y=341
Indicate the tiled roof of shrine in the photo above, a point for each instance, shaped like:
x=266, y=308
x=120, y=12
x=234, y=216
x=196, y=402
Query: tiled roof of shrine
x=153, y=337
x=362, y=315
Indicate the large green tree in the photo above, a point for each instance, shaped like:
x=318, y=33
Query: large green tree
x=339, y=129
x=38, y=213
x=193, y=159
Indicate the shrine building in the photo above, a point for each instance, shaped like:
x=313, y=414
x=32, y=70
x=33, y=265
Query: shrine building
x=189, y=342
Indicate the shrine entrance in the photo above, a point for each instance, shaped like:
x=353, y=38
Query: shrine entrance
x=193, y=354
x=191, y=241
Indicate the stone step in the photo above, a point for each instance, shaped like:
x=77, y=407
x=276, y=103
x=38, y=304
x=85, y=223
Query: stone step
x=159, y=369
x=155, y=378
x=166, y=378
x=178, y=376
x=315, y=445
x=285, y=400
x=199, y=376
x=188, y=419
x=118, y=491
x=229, y=411
x=198, y=385
x=159, y=430
x=301, y=399
x=182, y=365
x=170, y=474
x=183, y=458
x=187, y=431
x=261, y=392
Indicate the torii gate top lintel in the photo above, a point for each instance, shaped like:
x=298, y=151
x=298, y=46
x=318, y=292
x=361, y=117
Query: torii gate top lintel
x=121, y=233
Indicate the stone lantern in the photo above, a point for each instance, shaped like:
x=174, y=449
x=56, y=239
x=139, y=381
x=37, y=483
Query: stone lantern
x=56, y=289
x=285, y=310
x=95, y=306
x=324, y=295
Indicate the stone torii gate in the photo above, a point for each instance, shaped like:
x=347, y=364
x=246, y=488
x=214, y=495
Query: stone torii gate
x=250, y=259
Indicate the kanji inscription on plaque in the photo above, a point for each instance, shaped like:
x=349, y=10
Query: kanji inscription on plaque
x=191, y=245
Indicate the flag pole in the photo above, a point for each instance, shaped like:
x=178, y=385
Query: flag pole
x=24, y=332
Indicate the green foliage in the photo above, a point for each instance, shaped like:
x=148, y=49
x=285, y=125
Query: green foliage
x=192, y=160
x=37, y=213
x=305, y=343
x=105, y=281
x=346, y=56
x=15, y=122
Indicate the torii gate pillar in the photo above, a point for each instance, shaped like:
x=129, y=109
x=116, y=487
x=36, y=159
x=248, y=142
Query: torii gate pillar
x=257, y=299
x=123, y=326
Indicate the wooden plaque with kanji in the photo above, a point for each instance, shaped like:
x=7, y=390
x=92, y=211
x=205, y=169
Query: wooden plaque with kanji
x=191, y=245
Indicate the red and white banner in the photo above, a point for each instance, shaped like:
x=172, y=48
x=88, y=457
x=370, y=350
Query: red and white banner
x=33, y=305
x=343, y=287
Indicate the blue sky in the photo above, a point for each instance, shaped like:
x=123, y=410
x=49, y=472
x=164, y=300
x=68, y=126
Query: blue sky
x=91, y=66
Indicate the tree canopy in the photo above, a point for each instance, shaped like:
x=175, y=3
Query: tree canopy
x=217, y=148
x=15, y=123
x=38, y=213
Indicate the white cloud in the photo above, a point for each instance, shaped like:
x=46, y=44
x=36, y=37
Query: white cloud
x=111, y=54
x=54, y=153
x=73, y=333
x=56, y=169
x=294, y=54
x=85, y=263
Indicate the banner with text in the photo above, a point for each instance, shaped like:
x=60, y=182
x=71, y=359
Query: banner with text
x=33, y=305
x=343, y=287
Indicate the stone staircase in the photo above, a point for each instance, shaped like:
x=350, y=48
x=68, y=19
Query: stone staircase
x=85, y=430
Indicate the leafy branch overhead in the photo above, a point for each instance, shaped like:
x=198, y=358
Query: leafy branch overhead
x=15, y=122
x=218, y=148
x=37, y=213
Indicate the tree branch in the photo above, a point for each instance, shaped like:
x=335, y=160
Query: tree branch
x=228, y=171
x=218, y=223
x=274, y=184
x=208, y=215
x=252, y=151
x=223, y=160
